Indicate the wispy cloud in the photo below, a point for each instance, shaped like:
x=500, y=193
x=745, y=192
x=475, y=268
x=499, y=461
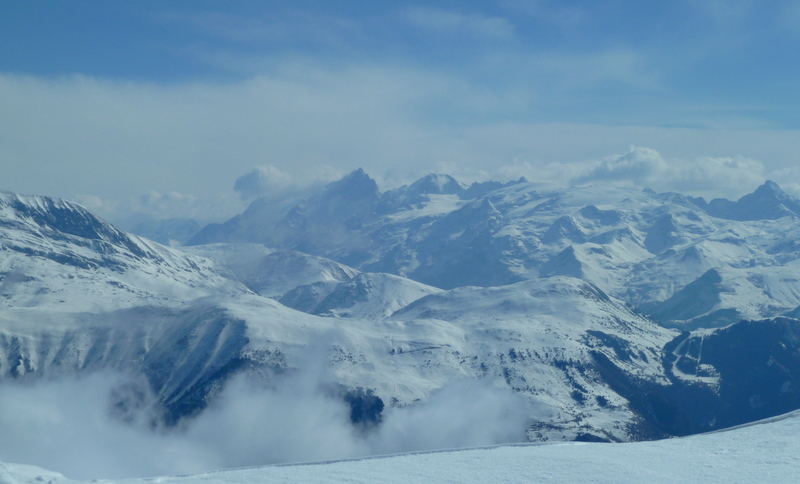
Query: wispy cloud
x=625, y=66
x=229, y=26
x=118, y=140
x=726, y=13
x=456, y=23
x=565, y=16
x=262, y=25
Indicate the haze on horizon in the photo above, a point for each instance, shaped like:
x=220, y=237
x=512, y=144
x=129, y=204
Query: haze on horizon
x=160, y=108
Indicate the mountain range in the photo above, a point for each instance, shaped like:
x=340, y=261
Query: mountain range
x=652, y=251
x=617, y=314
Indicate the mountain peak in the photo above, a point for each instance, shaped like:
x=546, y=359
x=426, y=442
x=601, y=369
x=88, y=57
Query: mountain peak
x=770, y=201
x=436, y=184
x=355, y=185
x=767, y=202
x=771, y=188
x=356, y=175
x=56, y=216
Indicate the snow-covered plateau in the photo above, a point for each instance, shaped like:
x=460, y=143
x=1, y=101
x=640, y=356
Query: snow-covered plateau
x=435, y=315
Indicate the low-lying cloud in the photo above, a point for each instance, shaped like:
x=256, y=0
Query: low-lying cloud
x=272, y=182
x=78, y=427
x=639, y=167
x=262, y=180
x=642, y=167
x=153, y=206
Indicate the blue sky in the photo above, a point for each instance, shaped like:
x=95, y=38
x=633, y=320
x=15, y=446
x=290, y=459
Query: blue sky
x=163, y=105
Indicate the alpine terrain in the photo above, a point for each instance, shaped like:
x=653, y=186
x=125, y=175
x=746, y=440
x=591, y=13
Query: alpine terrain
x=615, y=314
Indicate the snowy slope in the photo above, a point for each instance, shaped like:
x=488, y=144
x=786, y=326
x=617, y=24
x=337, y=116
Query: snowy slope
x=757, y=453
x=186, y=354
x=524, y=348
x=553, y=327
x=201, y=328
x=103, y=299
x=273, y=273
x=57, y=255
x=552, y=330
x=764, y=452
x=365, y=296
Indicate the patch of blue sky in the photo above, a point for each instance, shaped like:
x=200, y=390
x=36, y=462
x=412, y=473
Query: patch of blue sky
x=615, y=62
x=473, y=84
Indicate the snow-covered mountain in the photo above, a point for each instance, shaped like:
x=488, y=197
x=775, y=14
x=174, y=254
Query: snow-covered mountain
x=651, y=250
x=366, y=296
x=57, y=255
x=273, y=273
x=187, y=325
x=574, y=299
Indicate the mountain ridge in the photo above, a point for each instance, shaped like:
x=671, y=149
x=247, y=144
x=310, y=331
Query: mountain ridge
x=551, y=319
x=522, y=230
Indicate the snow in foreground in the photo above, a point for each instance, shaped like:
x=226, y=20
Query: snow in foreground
x=768, y=451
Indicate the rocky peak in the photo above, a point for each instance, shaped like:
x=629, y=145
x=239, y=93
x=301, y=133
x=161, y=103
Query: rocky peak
x=355, y=186
x=436, y=184
x=767, y=202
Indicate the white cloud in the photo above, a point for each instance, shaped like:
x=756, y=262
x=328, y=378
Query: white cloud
x=292, y=422
x=637, y=166
x=788, y=179
x=116, y=140
x=705, y=176
x=264, y=26
x=272, y=182
x=69, y=425
x=708, y=176
x=642, y=167
x=96, y=204
x=467, y=413
x=262, y=180
x=66, y=425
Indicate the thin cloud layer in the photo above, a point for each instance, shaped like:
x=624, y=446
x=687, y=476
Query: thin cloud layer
x=192, y=96
x=637, y=166
x=113, y=141
x=442, y=21
x=153, y=206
